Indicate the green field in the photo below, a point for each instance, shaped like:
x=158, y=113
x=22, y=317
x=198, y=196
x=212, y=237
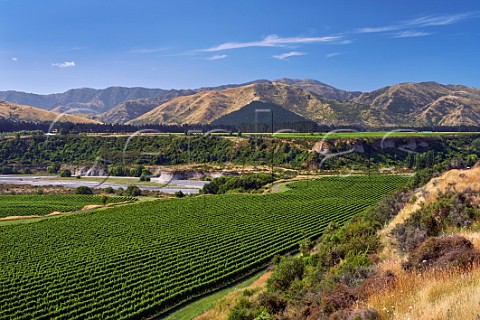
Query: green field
x=366, y=135
x=137, y=260
x=37, y=205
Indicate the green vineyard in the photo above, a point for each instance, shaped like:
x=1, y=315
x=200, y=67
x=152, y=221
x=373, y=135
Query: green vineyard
x=33, y=204
x=138, y=260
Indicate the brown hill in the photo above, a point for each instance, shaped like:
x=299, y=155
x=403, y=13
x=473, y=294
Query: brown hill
x=15, y=112
x=97, y=100
x=207, y=106
x=132, y=109
x=322, y=89
x=424, y=103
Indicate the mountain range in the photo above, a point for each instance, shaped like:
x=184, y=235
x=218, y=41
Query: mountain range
x=404, y=104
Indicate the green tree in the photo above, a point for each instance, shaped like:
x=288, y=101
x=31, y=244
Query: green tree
x=65, y=173
x=83, y=190
x=104, y=199
x=133, y=191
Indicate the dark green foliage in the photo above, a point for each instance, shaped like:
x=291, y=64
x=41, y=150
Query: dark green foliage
x=354, y=269
x=104, y=199
x=118, y=171
x=109, y=190
x=305, y=246
x=272, y=302
x=133, y=191
x=179, y=194
x=26, y=171
x=53, y=168
x=83, y=190
x=65, y=173
x=144, y=177
x=8, y=170
x=127, y=159
x=249, y=182
x=285, y=273
x=421, y=177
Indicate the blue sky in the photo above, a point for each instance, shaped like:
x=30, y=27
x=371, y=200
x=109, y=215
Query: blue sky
x=52, y=46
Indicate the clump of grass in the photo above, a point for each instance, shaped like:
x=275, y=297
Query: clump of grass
x=433, y=294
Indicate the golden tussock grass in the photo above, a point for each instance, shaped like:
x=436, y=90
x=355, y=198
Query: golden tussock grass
x=431, y=294
x=451, y=294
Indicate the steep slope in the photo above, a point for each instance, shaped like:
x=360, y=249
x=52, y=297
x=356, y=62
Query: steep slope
x=207, y=106
x=321, y=89
x=97, y=100
x=425, y=103
x=15, y=112
x=132, y=109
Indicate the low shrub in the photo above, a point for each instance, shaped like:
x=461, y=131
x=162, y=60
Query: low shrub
x=249, y=182
x=286, y=271
x=83, y=190
x=443, y=253
x=179, y=194
x=65, y=173
x=108, y=190
x=133, y=191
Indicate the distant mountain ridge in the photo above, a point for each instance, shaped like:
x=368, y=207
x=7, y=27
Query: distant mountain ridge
x=404, y=104
x=130, y=103
x=322, y=89
x=16, y=113
x=132, y=109
x=424, y=104
x=210, y=105
x=98, y=100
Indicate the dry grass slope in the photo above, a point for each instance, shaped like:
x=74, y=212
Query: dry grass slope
x=207, y=106
x=431, y=294
x=425, y=103
x=16, y=112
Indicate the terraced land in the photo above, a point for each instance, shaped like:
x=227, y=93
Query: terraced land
x=38, y=205
x=137, y=260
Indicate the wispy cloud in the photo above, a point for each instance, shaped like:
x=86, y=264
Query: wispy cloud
x=333, y=54
x=147, y=50
x=411, y=34
x=422, y=22
x=270, y=41
x=217, y=57
x=288, y=54
x=14, y=59
x=65, y=64
x=443, y=20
